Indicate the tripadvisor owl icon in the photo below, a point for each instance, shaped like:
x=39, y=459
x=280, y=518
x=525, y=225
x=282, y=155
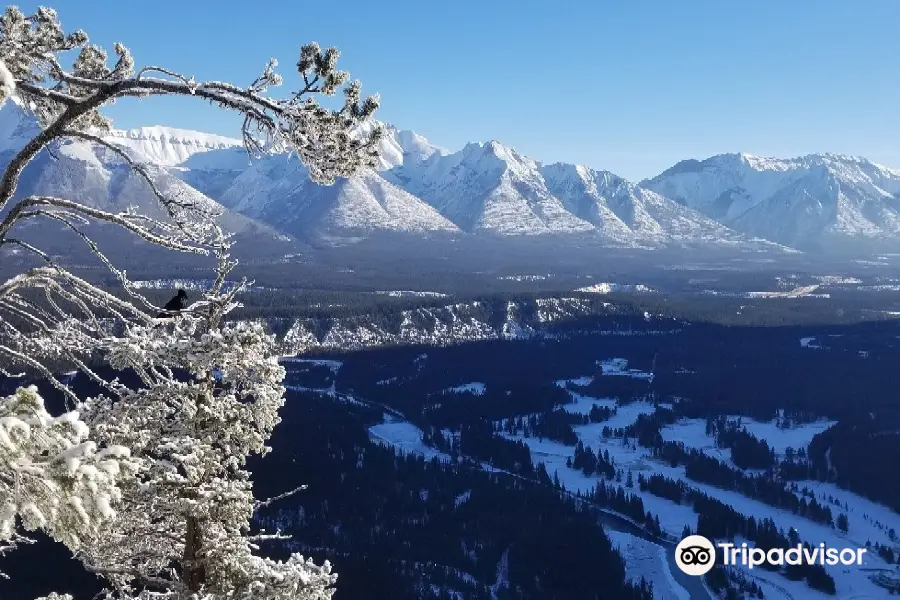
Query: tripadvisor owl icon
x=695, y=555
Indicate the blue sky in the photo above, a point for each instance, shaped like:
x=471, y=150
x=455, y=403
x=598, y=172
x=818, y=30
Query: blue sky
x=631, y=86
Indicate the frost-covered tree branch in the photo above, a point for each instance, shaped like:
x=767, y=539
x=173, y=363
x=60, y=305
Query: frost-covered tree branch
x=269, y=501
x=52, y=477
x=147, y=484
x=68, y=104
x=70, y=100
x=193, y=431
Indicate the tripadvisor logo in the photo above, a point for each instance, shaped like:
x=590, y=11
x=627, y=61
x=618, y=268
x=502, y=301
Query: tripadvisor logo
x=696, y=555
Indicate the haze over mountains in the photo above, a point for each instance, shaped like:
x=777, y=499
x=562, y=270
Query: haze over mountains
x=814, y=203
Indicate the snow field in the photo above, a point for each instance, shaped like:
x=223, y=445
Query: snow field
x=868, y=521
x=646, y=559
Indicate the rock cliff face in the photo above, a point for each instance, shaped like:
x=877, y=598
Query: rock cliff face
x=461, y=322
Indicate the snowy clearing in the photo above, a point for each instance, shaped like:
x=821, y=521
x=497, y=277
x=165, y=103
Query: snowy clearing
x=837, y=280
x=411, y=293
x=523, y=277
x=626, y=414
x=577, y=382
x=801, y=292
x=810, y=342
x=692, y=433
x=646, y=559
x=619, y=367
x=850, y=581
x=474, y=387
x=879, y=288
x=780, y=438
x=609, y=288
x=797, y=292
x=405, y=437
x=333, y=365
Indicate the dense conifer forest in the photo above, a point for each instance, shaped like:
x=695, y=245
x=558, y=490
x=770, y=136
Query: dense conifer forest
x=402, y=526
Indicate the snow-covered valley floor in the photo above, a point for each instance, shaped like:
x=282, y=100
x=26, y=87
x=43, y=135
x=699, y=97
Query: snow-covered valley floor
x=868, y=521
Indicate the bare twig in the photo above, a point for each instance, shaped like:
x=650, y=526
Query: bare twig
x=264, y=503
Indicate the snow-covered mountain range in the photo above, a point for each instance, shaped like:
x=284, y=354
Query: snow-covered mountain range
x=809, y=202
x=98, y=176
x=732, y=200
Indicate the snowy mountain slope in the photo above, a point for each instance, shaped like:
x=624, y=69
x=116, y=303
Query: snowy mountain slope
x=277, y=190
x=214, y=170
x=205, y=161
x=195, y=150
x=403, y=147
x=167, y=146
x=625, y=212
x=731, y=200
x=490, y=187
x=577, y=187
x=99, y=177
x=811, y=201
x=16, y=126
x=483, y=187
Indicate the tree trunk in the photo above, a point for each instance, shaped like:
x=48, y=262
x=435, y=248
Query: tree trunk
x=193, y=575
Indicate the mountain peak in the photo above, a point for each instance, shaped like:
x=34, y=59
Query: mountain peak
x=488, y=186
x=488, y=147
x=809, y=201
x=169, y=146
x=567, y=174
x=402, y=147
x=850, y=159
x=582, y=172
x=161, y=133
x=494, y=156
x=771, y=163
x=17, y=125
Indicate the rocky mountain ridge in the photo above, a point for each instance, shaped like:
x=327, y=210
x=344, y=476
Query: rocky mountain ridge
x=738, y=201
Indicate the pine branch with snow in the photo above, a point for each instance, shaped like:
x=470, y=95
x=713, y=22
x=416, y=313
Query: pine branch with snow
x=147, y=485
x=7, y=83
x=52, y=476
x=193, y=432
x=68, y=104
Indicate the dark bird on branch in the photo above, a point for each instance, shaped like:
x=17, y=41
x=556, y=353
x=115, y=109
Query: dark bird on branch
x=174, y=306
